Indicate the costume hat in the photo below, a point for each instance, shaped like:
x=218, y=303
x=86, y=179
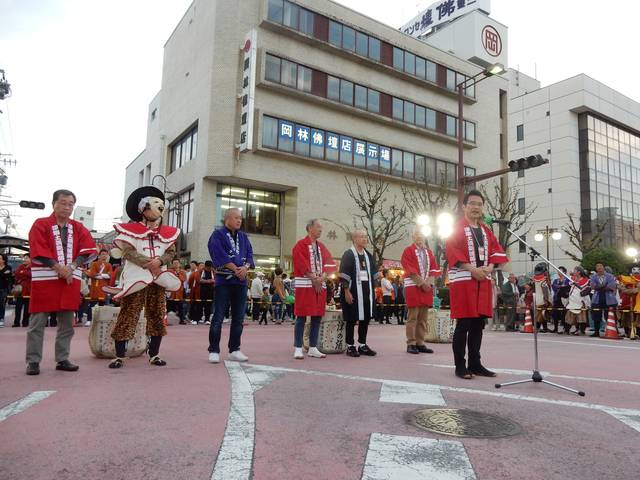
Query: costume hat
x=134, y=200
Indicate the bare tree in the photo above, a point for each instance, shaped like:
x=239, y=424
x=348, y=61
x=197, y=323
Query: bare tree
x=577, y=240
x=377, y=212
x=502, y=202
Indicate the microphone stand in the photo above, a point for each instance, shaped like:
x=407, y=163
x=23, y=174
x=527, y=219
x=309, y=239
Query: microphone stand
x=537, y=377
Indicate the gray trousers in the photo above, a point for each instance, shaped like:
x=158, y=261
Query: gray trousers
x=35, y=336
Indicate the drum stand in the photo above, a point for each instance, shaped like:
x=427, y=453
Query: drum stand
x=537, y=377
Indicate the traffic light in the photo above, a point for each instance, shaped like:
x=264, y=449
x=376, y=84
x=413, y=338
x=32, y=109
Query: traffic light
x=527, y=162
x=28, y=204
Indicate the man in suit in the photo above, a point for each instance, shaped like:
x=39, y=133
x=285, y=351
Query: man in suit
x=510, y=295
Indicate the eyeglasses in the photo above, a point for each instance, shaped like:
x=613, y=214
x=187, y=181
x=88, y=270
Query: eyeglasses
x=475, y=204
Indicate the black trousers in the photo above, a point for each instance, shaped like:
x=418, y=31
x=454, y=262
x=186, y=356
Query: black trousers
x=468, y=333
x=388, y=307
x=22, y=311
x=350, y=315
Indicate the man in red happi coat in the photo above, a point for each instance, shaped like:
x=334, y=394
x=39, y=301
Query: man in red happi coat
x=472, y=252
x=58, y=247
x=312, y=263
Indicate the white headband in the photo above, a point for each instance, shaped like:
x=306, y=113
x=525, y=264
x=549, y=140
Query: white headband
x=143, y=203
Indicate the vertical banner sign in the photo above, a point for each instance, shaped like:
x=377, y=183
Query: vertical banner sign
x=249, y=49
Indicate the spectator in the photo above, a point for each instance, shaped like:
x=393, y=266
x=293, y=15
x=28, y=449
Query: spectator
x=207, y=291
x=279, y=294
x=387, y=295
x=265, y=304
x=578, y=303
x=510, y=297
x=99, y=274
x=6, y=283
x=256, y=295
x=176, y=299
x=195, y=309
x=23, y=293
x=560, y=288
x=604, y=287
x=400, y=308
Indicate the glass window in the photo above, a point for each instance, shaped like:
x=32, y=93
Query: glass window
x=289, y=74
x=272, y=71
x=333, y=88
x=521, y=206
x=430, y=170
x=409, y=112
x=306, y=21
x=262, y=213
x=372, y=156
x=291, y=15
x=374, y=48
x=396, y=166
x=304, y=78
x=398, y=108
x=274, y=11
x=346, y=92
x=421, y=67
x=385, y=159
x=359, y=154
x=420, y=173
x=346, y=150
x=373, y=101
x=303, y=140
x=410, y=63
x=451, y=79
x=361, y=97
x=348, y=38
x=520, y=133
x=431, y=72
x=431, y=119
x=335, y=33
x=420, y=116
x=451, y=125
x=333, y=146
x=362, y=44
x=470, y=131
x=470, y=91
x=317, y=143
x=285, y=136
x=441, y=172
x=408, y=165
x=398, y=58
x=451, y=175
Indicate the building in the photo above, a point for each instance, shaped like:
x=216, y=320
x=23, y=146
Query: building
x=269, y=105
x=591, y=135
x=85, y=215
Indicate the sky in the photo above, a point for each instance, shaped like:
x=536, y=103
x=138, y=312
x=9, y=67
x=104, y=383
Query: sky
x=84, y=71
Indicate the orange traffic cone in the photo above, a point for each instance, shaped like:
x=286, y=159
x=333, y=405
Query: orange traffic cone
x=528, y=323
x=611, y=330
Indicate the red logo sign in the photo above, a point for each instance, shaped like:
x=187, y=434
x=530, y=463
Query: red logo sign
x=491, y=41
x=247, y=46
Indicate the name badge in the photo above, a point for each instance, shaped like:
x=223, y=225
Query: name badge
x=364, y=277
x=481, y=254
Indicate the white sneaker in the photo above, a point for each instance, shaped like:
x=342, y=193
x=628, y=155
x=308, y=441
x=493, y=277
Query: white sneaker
x=314, y=352
x=87, y=323
x=214, y=357
x=226, y=320
x=297, y=354
x=238, y=356
x=1, y=323
x=193, y=322
x=207, y=322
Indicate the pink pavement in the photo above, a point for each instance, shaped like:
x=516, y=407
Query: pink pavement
x=144, y=422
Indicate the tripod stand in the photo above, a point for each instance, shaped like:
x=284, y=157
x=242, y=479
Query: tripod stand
x=536, y=376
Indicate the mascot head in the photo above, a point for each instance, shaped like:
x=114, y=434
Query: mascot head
x=145, y=203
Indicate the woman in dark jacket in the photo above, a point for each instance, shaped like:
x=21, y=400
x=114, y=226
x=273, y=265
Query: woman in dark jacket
x=6, y=282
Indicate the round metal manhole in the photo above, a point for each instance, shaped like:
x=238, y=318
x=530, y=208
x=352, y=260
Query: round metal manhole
x=459, y=422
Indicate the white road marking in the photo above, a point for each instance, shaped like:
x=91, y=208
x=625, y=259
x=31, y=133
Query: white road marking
x=24, y=403
x=235, y=457
x=544, y=374
x=394, y=457
x=632, y=420
x=259, y=379
x=398, y=392
x=586, y=344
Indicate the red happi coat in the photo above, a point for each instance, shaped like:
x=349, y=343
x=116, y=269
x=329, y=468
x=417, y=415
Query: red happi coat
x=471, y=298
x=308, y=302
x=48, y=292
x=415, y=296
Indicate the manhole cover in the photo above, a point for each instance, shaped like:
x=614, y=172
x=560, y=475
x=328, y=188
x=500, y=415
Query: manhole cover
x=464, y=423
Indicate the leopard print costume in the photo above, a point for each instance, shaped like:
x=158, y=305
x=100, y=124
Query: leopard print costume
x=152, y=298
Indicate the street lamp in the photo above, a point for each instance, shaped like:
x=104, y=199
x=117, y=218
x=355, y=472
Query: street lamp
x=547, y=232
x=444, y=222
x=632, y=252
x=495, y=69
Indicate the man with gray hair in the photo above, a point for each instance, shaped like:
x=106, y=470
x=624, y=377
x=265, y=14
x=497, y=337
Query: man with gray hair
x=358, y=272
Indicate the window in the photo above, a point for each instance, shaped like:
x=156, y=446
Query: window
x=285, y=136
x=359, y=154
x=451, y=79
x=333, y=88
x=183, y=149
x=348, y=38
x=269, y=132
x=289, y=73
x=306, y=21
x=521, y=173
x=431, y=119
x=346, y=92
x=374, y=49
x=260, y=209
x=272, y=70
x=420, y=172
x=346, y=150
x=420, y=116
x=291, y=15
x=522, y=248
x=303, y=140
x=396, y=165
x=373, y=101
x=451, y=125
x=470, y=131
x=304, y=78
x=398, y=58
x=318, y=142
x=520, y=133
x=421, y=67
x=275, y=10
x=180, y=211
x=409, y=112
x=333, y=146
x=361, y=97
x=408, y=164
x=141, y=178
x=521, y=206
x=410, y=63
x=362, y=44
x=335, y=34
x=431, y=72
x=398, y=109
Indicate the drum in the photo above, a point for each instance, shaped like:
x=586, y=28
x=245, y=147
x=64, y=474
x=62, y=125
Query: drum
x=332, y=333
x=100, y=341
x=440, y=327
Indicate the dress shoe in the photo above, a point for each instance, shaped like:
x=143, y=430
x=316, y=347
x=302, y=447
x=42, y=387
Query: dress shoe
x=33, y=369
x=465, y=374
x=412, y=349
x=424, y=349
x=352, y=351
x=595, y=334
x=67, y=366
x=482, y=372
x=365, y=350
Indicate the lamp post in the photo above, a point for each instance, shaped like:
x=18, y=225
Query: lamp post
x=632, y=252
x=495, y=69
x=547, y=232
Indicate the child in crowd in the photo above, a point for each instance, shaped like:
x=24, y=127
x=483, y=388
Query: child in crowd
x=265, y=304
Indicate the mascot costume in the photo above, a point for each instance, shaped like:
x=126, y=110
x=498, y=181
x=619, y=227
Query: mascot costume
x=146, y=246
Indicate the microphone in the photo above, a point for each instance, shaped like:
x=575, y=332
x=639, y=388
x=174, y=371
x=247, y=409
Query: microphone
x=489, y=220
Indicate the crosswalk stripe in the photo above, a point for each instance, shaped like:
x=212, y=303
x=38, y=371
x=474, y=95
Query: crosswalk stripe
x=24, y=403
x=399, y=392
